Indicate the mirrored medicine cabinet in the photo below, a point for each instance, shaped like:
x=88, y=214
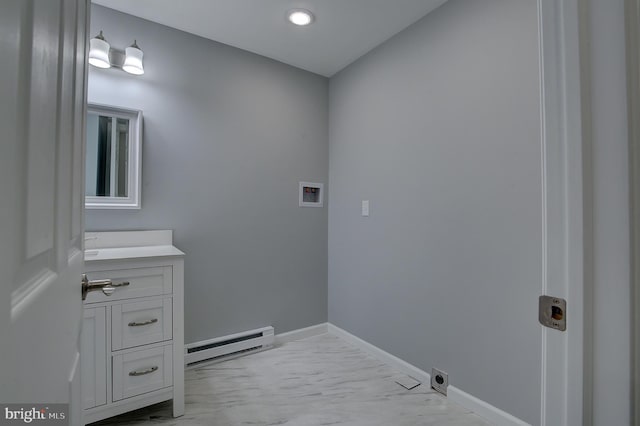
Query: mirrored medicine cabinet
x=113, y=168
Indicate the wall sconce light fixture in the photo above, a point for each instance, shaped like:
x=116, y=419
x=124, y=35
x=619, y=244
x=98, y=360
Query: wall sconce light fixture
x=133, y=59
x=101, y=55
x=99, y=52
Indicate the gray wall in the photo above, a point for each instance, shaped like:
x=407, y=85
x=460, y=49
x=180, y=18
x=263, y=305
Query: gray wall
x=227, y=136
x=439, y=129
x=611, y=313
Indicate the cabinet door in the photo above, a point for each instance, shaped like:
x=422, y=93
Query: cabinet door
x=94, y=357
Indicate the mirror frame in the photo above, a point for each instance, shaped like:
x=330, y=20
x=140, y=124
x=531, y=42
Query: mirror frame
x=133, y=200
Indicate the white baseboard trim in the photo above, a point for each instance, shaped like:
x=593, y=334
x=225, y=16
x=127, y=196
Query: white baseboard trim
x=495, y=415
x=381, y=355
x=470, y=402
x=301, y=333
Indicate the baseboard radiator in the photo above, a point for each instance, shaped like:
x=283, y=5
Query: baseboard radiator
x=226, y=347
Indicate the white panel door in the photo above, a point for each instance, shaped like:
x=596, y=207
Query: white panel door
x=43, y=103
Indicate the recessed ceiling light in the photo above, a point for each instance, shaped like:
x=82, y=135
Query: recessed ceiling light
x=300, y=17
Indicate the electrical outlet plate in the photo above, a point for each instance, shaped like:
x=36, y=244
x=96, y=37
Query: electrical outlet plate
x=439, y=381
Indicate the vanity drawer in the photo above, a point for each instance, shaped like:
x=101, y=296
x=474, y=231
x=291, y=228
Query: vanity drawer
x=142, y=371
x=140, y=323
x=142, y=282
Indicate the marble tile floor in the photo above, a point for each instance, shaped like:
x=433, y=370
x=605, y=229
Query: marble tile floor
x=321, y=380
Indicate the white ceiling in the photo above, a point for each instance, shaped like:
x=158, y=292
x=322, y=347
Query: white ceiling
x=343, y=30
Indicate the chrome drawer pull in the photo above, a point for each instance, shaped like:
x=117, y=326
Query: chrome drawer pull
x=138, y=324
x=142, y=372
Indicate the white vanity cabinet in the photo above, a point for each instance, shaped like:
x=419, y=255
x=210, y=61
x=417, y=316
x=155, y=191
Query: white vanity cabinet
x=132, y=337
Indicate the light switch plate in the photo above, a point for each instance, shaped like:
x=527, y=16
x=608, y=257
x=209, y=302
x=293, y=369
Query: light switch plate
x=365, y=208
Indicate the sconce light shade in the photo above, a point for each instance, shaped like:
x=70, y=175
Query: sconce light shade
x=133, y=60
x=99, y=52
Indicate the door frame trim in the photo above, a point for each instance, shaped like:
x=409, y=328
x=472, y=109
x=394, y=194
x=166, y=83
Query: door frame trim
x=566, y=177
x=632, y=35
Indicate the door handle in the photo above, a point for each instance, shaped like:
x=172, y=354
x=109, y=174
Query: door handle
x=107, y=286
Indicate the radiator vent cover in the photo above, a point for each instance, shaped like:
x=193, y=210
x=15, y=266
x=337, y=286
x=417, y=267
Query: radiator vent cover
x=222, y=348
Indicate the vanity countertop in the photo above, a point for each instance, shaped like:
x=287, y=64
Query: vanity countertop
x=119, y=253
x=129, y=245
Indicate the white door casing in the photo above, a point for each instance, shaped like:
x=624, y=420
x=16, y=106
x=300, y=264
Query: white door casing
x=565, y=155
x=632, y=25
x=42, y=113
